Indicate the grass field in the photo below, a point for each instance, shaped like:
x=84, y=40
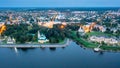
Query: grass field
x=99, y=34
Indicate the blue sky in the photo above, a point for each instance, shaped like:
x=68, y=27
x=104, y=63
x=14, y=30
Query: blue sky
x=60, y=3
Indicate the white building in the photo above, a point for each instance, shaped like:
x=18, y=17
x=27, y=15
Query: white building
x=103, y=39
x=10, y=40
x=80, y=30
x=42, y=38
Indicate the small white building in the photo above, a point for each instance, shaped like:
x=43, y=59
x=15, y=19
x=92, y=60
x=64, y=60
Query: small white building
x=10, y=40
x=80, y=30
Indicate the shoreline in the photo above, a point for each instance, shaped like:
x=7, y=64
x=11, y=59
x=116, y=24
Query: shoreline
x=35, y=45
x=91, y=45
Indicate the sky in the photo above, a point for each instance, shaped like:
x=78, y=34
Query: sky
x=59, y=3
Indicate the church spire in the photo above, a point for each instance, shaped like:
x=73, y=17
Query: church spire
x=38, y=34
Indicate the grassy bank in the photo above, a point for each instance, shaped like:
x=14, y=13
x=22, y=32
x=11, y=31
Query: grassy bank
x=82, y=41
x=88, y=44
x=94, y=33
x=115, y=48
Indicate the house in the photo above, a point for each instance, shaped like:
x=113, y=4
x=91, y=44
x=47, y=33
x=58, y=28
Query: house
x=10, y=40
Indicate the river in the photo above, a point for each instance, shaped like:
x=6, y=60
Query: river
x=72, y=56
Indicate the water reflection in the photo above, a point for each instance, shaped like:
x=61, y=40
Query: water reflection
x=25, y=49
x=16, y=50
x=99, y=52
x=42, y=48
x=63, y=47
x=52, y=49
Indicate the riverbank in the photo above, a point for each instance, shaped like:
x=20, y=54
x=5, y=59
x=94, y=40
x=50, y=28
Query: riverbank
x=88, y=44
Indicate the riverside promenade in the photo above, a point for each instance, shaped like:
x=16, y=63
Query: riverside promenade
x=35, y=45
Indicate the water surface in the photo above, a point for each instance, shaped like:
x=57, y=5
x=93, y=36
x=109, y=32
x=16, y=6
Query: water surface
x=72, y=56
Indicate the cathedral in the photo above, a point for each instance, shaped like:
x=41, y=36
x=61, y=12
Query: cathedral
x=42, y=38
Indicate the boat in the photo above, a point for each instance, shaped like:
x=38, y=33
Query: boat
x=97, y=49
